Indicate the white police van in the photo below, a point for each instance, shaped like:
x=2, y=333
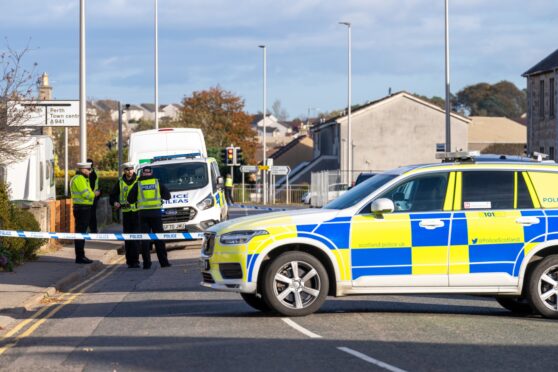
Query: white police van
x=196, y=186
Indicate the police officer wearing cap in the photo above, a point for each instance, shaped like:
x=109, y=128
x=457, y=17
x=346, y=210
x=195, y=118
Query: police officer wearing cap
x=130, y=219
x=148, y=194
x=94, y=182
x=82, y=199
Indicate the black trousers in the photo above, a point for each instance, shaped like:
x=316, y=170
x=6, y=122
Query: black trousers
x=151, y=222
x=93, y=218
x=82, y=214
x=228, y=195
x=131, y=225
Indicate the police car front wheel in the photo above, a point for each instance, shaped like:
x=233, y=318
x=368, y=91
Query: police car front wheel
x=543, y=287
x=295, y=284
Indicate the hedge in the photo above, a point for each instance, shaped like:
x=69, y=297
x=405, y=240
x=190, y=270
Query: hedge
x=13, y=251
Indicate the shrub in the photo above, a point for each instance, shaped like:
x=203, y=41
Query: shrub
x=13, y=251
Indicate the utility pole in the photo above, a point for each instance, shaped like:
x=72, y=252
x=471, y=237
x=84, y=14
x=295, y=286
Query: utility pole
x=82, y=96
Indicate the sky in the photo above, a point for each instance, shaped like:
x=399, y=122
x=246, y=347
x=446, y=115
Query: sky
x=397, y=44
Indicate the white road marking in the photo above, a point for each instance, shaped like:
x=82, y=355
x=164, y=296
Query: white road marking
x=300, y=328
x=368, y=359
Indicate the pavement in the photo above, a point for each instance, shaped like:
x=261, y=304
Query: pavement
x=31, y=283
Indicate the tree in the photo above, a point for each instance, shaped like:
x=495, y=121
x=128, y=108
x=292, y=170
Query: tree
x=278, y=111
x=99, y=133
x=220, y=115
x=500, y=99
x=16, y=84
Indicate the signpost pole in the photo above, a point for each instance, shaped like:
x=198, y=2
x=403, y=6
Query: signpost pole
x=66, y=161
x=288, y=191
x=242, y=174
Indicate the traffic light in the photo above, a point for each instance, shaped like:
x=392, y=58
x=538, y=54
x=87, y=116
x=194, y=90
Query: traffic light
x=230, y=156
x=224, y=156
x=239, y=158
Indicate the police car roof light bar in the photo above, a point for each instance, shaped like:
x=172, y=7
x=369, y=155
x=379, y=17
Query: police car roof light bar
x=191, y=155
x=457, y=156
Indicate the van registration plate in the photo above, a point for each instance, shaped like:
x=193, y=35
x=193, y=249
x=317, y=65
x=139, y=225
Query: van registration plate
x=174, y=226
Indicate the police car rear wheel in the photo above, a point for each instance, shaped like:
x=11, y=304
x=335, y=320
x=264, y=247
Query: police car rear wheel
x=256, y=301
x=295, y=284
x=543, y=287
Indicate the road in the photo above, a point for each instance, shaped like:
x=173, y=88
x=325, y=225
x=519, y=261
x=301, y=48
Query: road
x=141, y=320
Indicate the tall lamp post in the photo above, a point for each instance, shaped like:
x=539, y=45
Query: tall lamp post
x=82, y=96
x=156, y=68
x=264, y=49
x=448, y=103
x=349, y=99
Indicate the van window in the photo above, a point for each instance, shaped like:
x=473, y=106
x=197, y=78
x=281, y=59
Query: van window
x=182, y=176
x=214, y=175
x=545, y=187
x=52, y=180
x=42, y=176
x=487, y=190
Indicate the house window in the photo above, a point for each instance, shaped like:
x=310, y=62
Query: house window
x=552, y=99
x=541, y=100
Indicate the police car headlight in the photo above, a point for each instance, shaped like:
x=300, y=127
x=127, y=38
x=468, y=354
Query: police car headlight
x=241, y=237
x=206, y=203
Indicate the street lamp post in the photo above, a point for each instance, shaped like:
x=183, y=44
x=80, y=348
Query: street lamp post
x=264, y=49
x=349, y=100
x=156, y=68
x=82, y=96
x=448, y=103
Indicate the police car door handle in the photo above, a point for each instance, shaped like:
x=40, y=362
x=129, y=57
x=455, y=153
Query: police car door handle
x=528, y=220
x=431, y=224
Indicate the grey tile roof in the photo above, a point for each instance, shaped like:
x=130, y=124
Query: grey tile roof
x=547, y=64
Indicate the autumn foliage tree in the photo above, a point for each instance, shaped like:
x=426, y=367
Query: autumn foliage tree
x=99, y=133
x=221, y=117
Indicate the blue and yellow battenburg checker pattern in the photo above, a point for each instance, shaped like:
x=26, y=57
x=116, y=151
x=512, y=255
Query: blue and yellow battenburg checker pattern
x=469, y=241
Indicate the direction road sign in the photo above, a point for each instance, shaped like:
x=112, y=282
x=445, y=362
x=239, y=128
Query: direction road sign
x=45, y=113
x=280, y=170
x=248, y=168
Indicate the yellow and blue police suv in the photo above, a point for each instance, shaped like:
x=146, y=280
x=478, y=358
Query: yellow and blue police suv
x=476, y=225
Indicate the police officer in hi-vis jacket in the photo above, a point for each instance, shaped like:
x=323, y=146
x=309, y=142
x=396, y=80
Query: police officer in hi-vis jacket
x=130, y=217
x=83, y=197
x=148, y=194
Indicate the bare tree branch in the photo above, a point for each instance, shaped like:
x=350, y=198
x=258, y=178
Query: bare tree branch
x=16, y=84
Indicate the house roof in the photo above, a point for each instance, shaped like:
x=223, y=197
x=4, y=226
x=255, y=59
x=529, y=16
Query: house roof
x=287, y=147
x=547, y=64
x=106, y=104
x=359, y=108
x=485, y=129
x=148, y=106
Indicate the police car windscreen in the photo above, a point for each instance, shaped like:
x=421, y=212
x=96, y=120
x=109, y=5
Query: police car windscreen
x=184, y=176
x=361, y=191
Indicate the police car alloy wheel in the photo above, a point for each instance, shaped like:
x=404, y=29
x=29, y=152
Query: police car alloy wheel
x=295, y=284
x=256, y=301
x=543, y=287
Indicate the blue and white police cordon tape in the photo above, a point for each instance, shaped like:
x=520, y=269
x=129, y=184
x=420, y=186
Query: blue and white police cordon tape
x=242, y=206
x=117, y=236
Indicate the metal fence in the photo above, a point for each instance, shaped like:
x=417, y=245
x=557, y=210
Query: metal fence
x=253, y=194
x=329, y=185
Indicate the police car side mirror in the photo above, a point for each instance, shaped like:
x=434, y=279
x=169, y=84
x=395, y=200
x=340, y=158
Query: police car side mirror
x=220, y=181
x=382, y=205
